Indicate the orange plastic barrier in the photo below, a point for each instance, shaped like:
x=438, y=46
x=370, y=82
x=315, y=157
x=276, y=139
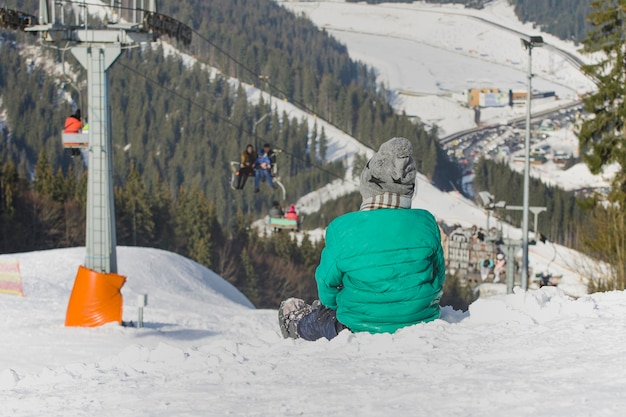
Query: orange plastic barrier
x=96, y=299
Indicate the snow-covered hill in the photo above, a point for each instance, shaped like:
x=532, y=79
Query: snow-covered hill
x=205, y=352
x=429, y=55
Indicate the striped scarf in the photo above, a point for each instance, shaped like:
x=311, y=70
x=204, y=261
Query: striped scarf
x=385, y=200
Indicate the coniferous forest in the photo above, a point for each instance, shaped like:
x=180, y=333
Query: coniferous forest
x=175, y=129
x=178, y=126
x=566, y=19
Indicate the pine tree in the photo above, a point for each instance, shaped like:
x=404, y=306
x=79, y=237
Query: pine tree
x=193, y=235
x=44, y=176
x=134, y=217
x=9, y=190
x=602, y=136
x=251, y=280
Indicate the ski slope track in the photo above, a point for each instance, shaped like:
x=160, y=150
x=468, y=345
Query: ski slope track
x=205, y=351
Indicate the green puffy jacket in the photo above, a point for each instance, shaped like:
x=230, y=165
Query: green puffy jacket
x=382, y=269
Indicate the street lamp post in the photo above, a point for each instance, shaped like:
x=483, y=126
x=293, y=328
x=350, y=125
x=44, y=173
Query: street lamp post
x=528, y=43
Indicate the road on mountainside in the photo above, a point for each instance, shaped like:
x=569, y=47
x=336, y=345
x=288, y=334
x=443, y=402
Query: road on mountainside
x=517, y=122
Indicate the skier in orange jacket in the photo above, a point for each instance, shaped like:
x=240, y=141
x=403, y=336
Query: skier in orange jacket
x=73, y=123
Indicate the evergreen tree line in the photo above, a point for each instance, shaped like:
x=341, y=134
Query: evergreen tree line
x=264, y=44
x=560, y=223
x=298, y=62
x=566, y=19
x=35, y=109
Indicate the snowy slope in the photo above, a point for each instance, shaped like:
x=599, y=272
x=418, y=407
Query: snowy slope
x=430, y=54
x=205, y=352
x=169, y=281
x=453, y=208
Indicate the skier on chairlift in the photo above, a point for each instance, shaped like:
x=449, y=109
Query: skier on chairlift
x=73, y=123
x=263, y=167
x=246, y=167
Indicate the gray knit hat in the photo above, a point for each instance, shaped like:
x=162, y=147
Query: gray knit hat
x=391, y=169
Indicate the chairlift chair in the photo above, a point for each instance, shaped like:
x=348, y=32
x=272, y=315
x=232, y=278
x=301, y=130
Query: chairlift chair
x=75, y=141
x=234, y=168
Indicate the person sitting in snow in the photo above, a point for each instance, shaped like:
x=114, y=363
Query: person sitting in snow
x=382, y=267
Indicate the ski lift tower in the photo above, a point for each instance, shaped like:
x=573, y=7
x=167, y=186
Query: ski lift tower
x=96, y=49
x=97, y=46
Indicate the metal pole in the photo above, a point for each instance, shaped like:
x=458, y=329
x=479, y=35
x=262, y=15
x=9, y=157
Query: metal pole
x=142, y=301
x=100, y=239
x=525, y=204
x=511, y=248
x=536, y=220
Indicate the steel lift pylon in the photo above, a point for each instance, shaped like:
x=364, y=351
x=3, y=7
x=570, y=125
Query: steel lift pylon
x=96, y=297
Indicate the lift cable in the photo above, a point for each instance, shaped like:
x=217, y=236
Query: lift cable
x=31, y=19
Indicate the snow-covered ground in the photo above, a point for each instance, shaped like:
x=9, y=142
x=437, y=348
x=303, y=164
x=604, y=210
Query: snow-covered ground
x=574, y=178
x=204, y=351
x=430, y=55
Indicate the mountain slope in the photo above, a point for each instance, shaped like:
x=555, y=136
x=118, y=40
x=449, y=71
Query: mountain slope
x=536, y=353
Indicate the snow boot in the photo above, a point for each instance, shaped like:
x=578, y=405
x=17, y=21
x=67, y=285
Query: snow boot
x=290, y=312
